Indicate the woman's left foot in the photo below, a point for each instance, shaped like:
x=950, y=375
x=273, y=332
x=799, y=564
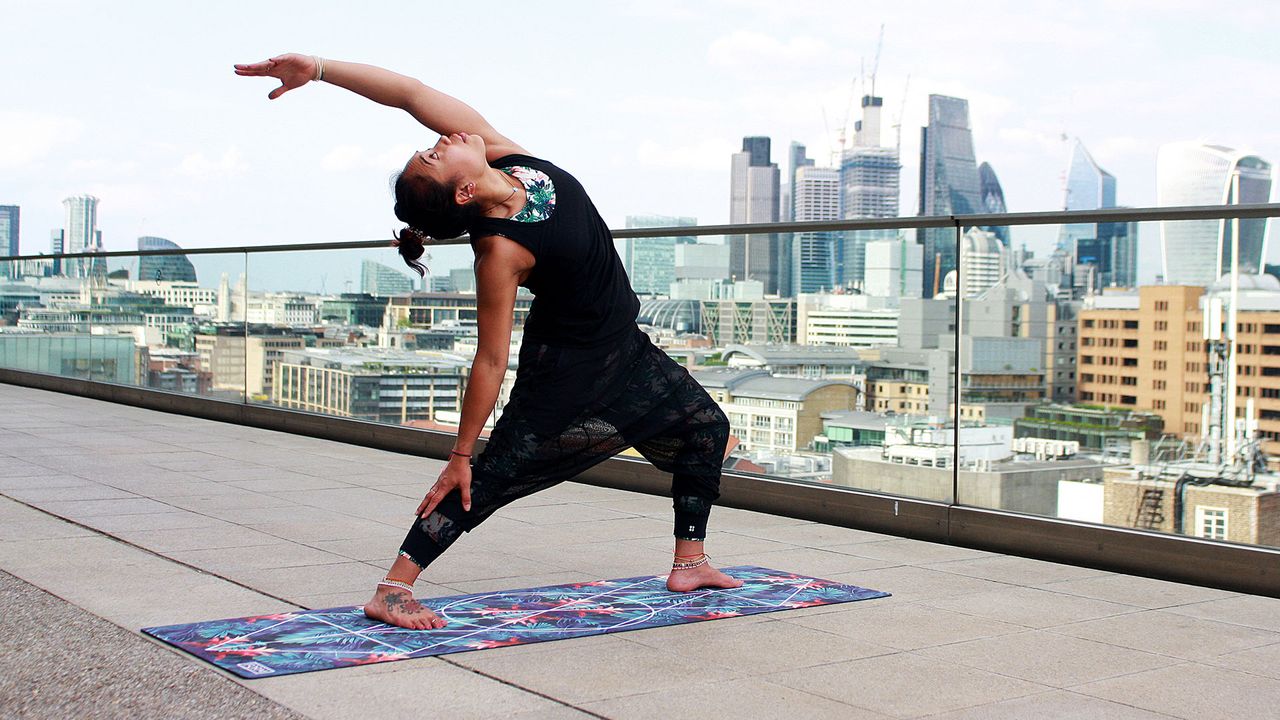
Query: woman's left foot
x=703, y=576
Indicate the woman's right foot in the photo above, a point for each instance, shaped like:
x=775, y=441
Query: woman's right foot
x=394, y=606
x=703, y=576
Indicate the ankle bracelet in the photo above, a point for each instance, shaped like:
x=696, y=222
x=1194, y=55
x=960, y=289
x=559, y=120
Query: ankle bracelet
x=396, y=584
x=681, y=563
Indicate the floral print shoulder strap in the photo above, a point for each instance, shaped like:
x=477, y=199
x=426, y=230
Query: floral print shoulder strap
x=540, y=193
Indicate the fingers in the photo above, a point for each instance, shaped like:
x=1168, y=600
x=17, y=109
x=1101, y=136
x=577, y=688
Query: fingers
x=278, y=92
x=466, y=495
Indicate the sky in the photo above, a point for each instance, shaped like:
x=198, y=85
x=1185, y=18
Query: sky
x=136, y=103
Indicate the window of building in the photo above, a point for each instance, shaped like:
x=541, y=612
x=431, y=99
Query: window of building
x=1158, y=385
x=1130, y=362
x=1088, y=322
x=1130, y=324
x=1161, y=345
x=1162, y=305
x=1157, y=404
x=1128, y=400
x=1211, y=522
x=1161, y=325
x=1131, y=342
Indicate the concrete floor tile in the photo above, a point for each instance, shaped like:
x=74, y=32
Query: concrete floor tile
x=311, y=579
x=913, y=584
x=751, y=698
x=222, y=535
x=1192, y=691
x=231, y=560
x=905, y=685
x=563, y=513
x=719, y=543
x=904, y=626
x=1047, y=658
x=1054, y=705
x=1143, y=592
x=804, y=561
x=410, y=688
x=311, y=531
x=87, y=491
x=786, y=530
x=1015, y=570
x=81, y=509
x=1030, y=607
x=1249, y=610
x=1172, y=634
x=902, y=551
x=739, y=646
x=1264, y=660
x=151, y=521
x=285, y=481
x=578, y=673
x=44, y=479
x=40, y=529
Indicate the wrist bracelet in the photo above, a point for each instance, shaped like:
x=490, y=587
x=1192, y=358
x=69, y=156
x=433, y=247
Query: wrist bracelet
x=319, y=67
x=455, y=452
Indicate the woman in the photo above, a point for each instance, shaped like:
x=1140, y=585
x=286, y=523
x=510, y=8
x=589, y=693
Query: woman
x=589, y=383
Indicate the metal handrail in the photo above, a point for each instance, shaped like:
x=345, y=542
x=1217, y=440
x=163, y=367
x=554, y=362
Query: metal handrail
x=1058, y=217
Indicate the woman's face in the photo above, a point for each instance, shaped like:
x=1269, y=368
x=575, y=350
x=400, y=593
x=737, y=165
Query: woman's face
x=456, y=159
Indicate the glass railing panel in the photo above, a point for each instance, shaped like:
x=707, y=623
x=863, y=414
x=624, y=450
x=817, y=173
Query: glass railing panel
x=1101, y=375
x=800, y=338
x=358, y=334
x=125, y=319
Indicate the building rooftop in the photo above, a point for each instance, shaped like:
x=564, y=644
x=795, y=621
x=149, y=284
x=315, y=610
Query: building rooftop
x=115, y=518
x=792, y=354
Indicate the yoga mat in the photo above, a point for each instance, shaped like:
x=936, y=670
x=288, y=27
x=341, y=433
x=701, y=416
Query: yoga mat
x=308, y=640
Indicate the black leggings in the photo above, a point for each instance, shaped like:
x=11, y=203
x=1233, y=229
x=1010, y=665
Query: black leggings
x=638, y=397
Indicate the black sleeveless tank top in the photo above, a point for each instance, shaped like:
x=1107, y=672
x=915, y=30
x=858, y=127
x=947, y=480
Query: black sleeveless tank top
x=582, y=296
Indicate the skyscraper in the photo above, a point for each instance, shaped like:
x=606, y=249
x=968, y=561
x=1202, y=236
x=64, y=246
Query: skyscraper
x=753, y=198
x=81, y=233
x=381, y=280
x=992, y=200
x=170, y=268
x=651, y=262
x=949, y=183
x=1198, y=252
x=813, y=258
x=9, y=224
x=798, y=157
x=1102, y=254
x=869, y=181
x=57, y=246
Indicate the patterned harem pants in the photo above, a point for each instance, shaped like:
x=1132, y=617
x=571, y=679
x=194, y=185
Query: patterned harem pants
x=572, y=408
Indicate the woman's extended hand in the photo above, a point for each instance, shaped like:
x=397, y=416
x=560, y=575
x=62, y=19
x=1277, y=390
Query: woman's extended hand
x=457, y=474
x=291, y=69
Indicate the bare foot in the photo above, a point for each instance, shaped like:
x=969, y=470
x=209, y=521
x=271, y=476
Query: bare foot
x=703, y=576
x=394, y=606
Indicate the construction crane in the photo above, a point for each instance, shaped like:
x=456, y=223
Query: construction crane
x=902, y=108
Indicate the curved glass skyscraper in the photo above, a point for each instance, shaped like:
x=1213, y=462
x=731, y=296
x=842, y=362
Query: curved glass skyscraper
x=1198, y=252
x=170, y=268
x=1102, y=254
x=949, y=183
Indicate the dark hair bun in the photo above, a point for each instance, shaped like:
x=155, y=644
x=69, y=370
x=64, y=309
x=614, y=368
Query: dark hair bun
x=409, y=242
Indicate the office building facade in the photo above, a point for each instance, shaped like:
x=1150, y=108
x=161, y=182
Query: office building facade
x=754, y=185
x=164, y=268
x=651, y=262
x=1198, y=252
x=949, y=183
x=10, y=216
x=813, y=254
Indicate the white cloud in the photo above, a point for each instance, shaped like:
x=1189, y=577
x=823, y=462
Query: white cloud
x=745, y=48
x=198, y=165
x=27, y=136
x=707, y=154
x=345, y=158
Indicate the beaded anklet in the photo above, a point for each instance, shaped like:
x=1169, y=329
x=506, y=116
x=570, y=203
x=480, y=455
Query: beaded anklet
x=396, y=584
x=687, y=562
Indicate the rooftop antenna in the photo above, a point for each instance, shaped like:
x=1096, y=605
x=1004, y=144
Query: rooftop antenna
x=875, y=66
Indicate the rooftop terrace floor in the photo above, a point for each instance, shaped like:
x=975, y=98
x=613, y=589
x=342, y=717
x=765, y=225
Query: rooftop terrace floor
x=115, y=518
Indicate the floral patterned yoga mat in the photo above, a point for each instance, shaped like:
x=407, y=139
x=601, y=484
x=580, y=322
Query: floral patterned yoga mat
x=306, y=640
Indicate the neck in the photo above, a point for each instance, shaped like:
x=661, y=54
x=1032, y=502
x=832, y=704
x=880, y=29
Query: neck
x=497, y=192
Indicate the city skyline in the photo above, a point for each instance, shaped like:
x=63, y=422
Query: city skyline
x=211, y=162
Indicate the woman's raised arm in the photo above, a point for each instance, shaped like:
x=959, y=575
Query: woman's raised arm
x=440, y=112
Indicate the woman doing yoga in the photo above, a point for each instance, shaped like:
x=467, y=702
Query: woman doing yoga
x=588, y=383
